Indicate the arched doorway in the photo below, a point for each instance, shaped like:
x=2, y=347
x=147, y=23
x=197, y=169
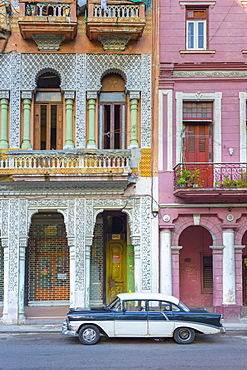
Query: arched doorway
x=112, y=258
x=48, y=128
x=47, y=261
x=196, y=268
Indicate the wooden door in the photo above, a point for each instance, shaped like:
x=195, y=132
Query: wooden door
x=115, y=268
x=198, y=148
x=48, y=126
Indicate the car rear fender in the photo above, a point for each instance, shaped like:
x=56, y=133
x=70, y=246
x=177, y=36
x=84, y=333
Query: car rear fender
x=199, y=328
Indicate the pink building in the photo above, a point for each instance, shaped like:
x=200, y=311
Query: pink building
x=202, y=159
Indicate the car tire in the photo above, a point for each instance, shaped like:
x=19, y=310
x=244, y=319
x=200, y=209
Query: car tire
x=184, y=335
x=89, y=334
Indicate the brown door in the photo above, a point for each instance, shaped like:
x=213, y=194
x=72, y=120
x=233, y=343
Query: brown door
x=198, y=148
x=115, y=268
x=48, y=129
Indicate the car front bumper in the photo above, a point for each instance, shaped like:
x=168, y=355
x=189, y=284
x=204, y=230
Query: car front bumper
x=66, y=330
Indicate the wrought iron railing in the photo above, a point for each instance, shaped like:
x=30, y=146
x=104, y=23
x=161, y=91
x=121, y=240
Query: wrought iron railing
x=210, y=175
x=36, y=161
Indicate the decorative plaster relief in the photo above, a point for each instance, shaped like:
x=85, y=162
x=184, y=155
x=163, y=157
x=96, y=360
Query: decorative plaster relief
x=48, y=42
x=114, y=42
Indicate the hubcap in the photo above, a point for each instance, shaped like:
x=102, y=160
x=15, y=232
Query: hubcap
x=184, y=334
x=89, y=335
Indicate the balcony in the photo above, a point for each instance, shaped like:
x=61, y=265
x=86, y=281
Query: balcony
x=116, y=25
x=211, y=182
x=79, y=168
x=48, y=22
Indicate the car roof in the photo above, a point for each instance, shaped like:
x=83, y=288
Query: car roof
x=145, y=296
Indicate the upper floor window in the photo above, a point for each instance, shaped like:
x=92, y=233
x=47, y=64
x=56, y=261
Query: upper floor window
x=112, y=113
x=48, y=110
x=196, y=28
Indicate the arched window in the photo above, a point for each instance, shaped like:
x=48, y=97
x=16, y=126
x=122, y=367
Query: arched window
x=112, y=113
x=48, y=127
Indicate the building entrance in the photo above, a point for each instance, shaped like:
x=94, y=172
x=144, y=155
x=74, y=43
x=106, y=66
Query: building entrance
x=47, y=262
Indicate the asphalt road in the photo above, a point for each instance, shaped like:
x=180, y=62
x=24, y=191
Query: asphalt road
x=55, y=351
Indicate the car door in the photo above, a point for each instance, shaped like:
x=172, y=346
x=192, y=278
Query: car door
x=160, y=318
x=131, y=321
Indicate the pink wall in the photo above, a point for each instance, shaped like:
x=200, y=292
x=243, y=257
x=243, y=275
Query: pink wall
x=227, y=32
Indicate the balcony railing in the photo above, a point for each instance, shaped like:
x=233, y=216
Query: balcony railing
x=210, y=175
x=64, y=163
x=57, y=18
x=117, y=11
x=47, y=9
x=118, y=20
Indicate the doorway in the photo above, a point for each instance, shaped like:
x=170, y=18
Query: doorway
x=47, y=260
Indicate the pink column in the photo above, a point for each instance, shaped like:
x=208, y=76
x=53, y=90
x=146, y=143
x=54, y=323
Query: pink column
x=239, y=273
x=175, y=270
x=217, y=254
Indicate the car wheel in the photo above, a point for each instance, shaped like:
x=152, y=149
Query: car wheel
x=184, y=335
x=89, y=334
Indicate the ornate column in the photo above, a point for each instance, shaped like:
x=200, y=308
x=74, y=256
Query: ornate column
x=22, y=255
x=71, y=244
x=230, y=309
x=175, y=270
x=217, y=257
x=69, y=103
x=4, y=106
x=165, y=262
x=239, y=274
x=27, y=100
x=134, y=98
x=137, y=261
x=6, y=278
x=91, y=97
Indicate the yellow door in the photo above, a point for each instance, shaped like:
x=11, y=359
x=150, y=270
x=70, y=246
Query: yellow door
x=115, y=268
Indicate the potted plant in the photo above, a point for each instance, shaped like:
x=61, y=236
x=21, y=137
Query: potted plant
x=184, y=178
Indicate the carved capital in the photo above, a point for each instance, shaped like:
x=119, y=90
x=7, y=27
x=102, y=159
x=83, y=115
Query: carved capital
x=69, y=95
x=134, y=94
x=4, y=94
x=27, y=95
x=92, y=95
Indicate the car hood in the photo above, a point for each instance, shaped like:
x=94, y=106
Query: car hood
x=87, y=310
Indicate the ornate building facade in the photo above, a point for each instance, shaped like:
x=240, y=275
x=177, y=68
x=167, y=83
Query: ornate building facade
x=202, y=154
x=77, y=207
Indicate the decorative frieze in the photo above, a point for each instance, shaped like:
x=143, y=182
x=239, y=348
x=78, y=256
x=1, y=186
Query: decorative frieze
x=211, y=73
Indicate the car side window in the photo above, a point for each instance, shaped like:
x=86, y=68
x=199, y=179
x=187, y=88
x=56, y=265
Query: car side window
x=136, y=305
x=162, y=306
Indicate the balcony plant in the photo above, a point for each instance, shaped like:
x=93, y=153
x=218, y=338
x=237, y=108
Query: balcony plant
x=239, y=183
x=187, y=178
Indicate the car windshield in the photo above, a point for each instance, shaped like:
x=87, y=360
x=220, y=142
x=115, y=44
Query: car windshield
x=114, y=304
x=182, y=306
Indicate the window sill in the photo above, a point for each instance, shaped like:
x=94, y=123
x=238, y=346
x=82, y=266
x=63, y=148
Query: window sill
x=198, y=51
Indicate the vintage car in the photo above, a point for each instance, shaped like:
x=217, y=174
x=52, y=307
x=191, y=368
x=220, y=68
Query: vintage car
x=141, y=315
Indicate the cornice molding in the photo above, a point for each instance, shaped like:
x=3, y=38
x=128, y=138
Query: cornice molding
x=196, y=3
x=211, y=73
